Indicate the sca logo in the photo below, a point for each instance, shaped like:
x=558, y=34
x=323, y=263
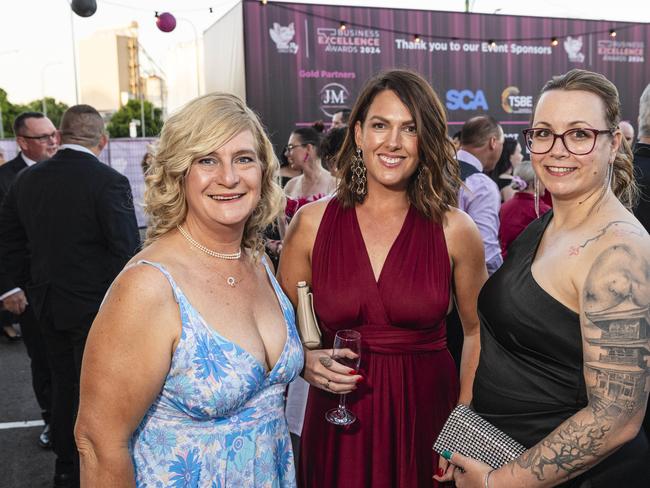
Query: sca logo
x=333, y=97
x=514, y=103
x=466, y=100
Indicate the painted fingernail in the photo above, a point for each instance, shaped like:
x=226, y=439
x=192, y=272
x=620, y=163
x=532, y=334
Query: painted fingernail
x=361, y=379
x=446, y=454
x=353, y=372
x=440, y=472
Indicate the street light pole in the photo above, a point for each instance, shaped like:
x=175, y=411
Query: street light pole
x=44, y=105
x=74, y=58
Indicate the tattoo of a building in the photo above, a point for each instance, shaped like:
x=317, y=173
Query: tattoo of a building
x=621, y=371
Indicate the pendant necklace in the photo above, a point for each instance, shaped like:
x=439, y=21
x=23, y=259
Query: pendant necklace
x=230, y=280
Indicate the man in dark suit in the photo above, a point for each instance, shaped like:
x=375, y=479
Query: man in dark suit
x=76, y=216
x=38, y=140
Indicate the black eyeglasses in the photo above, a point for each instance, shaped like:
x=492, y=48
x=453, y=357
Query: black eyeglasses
x=290, y=147
x=579, y=141
x=43, y=138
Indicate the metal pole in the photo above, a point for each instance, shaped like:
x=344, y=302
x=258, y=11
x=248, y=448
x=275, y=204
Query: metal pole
x=74, y=58
x=142, y=113
x=43, y=104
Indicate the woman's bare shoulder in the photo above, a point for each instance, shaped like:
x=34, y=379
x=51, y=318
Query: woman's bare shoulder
x=457, y=223
x=308, y=217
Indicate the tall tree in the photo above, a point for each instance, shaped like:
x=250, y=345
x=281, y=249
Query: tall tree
x=50, y=107
x=9, y=111
x=119, y=123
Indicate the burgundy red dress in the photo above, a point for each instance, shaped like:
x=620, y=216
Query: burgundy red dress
x=410, y=384
x=514, y=217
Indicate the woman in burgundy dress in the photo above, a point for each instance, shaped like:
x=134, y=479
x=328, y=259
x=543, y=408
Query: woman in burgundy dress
x=385, y=256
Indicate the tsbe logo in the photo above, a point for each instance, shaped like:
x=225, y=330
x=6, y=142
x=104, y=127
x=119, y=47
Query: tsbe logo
x=572, y=46
x=466, y=100
x=283, y=36
x=514, y=103
x=333, y=97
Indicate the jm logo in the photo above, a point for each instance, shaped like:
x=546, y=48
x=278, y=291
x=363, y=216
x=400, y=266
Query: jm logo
x=333, y=97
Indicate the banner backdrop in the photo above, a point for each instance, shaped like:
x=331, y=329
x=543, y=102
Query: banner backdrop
x=301, y=67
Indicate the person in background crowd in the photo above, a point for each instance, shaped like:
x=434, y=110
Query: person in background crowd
x=287, y=172
x=564, y=322
x=340, y=118
x=37, y=140
x=330, y=146
x=628, y=132
x=303, y=152
x=510, y=158
x=642, y=163
x=642, y=174
x=147, y=158
x=455, y=139
x=481, y=144
x=519, y=211
x=386, y=256
x=187, y=362
x=73, y=217
x=298, y=389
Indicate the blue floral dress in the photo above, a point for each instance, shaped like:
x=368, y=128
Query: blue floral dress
x=219, y=420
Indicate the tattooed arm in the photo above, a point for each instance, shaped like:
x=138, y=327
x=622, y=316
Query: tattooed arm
x=615, y=302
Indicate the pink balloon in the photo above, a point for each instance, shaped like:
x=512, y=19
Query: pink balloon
x=166, y=22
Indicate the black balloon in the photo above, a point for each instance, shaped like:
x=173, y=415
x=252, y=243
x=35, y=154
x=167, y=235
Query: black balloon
x=84, y=8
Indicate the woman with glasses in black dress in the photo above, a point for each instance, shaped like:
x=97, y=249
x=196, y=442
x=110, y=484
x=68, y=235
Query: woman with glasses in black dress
x=565, y=332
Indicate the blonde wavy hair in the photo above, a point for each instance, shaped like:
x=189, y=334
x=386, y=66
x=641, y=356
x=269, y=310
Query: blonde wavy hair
x=195, y=131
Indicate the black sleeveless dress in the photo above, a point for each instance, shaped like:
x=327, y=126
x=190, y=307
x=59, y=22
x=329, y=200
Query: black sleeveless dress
x=530, y=377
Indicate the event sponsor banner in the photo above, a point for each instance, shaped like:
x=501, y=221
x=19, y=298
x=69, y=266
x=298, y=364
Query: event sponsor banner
x=302, y=67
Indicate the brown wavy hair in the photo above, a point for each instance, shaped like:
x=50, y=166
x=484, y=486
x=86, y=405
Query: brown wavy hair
x=436, y=152
x=196, y=130
x=623, y=182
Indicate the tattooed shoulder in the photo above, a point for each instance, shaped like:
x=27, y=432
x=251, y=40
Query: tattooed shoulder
x=616, y=318
x=616, y=228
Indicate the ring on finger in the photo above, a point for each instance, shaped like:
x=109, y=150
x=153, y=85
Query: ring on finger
x=327, y=385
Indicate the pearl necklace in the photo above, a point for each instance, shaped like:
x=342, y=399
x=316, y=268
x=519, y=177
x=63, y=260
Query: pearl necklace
x=230, y=280
x=215, y=254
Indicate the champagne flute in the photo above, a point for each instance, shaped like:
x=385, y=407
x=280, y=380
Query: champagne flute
x=345, y=339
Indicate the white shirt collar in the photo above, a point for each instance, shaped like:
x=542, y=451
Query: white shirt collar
x=28, y=162
x=76, y=147
x=469, y=158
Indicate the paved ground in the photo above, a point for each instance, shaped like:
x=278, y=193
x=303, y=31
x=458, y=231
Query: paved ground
x=22, y=463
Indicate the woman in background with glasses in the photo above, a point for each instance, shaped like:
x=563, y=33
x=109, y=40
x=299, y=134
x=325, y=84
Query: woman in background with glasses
x=565, y=335
x=303, y=152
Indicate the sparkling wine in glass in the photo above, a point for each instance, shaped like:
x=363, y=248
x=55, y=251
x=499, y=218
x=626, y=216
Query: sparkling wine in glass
x=345, y=339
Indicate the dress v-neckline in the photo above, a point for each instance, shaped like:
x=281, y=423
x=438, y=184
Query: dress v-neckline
x=377, y=280
x=266, y=373
x=531, y=259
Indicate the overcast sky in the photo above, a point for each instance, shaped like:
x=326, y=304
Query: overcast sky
x=36, y=36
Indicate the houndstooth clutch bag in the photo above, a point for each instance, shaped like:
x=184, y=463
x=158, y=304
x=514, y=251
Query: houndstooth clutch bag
x=471, y=435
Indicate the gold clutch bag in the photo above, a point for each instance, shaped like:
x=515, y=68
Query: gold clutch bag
x=307, y=325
